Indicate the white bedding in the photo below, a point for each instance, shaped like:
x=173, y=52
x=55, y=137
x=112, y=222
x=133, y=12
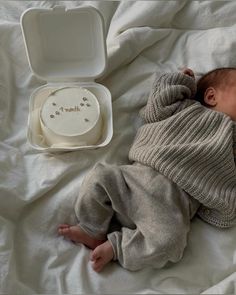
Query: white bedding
x=37, y=190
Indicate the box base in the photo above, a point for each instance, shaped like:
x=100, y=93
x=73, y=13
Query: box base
x=35, y=134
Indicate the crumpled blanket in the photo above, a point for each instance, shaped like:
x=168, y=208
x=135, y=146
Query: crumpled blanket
x=38, y=190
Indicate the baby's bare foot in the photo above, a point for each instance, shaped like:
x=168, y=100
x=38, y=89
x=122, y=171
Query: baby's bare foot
x=77, y=235
x=101, y=255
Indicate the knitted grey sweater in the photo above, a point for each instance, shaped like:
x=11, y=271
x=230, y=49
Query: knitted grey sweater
x=190, y=144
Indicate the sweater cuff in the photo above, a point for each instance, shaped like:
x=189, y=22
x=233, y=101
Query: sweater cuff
x=177, y=79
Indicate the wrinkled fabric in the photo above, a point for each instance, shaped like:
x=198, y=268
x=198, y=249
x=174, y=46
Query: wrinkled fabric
x=38, y=190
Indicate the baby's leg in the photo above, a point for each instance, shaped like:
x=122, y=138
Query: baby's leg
x=95, y=206
x=162, y=213
x=99, y=193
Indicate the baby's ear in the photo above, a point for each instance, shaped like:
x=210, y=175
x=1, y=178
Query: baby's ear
x=210, y=97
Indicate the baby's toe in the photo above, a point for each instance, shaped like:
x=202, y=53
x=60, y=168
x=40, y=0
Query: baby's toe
x=95, y=255
x=64, y=231
x=98, y=265
x=61, y=226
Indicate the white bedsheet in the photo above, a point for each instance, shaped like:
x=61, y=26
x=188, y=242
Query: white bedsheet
x=37, y=190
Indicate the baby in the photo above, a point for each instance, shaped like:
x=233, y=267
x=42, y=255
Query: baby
x=182, y=164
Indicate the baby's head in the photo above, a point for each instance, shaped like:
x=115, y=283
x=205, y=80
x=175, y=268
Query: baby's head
x=217, y=90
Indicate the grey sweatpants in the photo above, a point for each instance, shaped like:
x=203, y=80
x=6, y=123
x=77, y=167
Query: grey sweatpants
x=145, y=216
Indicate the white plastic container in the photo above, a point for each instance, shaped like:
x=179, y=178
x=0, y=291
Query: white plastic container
x=66, y=48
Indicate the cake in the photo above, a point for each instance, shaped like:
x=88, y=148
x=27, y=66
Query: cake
x=71, y=116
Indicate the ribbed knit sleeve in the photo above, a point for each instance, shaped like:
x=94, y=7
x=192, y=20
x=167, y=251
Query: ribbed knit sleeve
x=166, y=95
x=234, y=141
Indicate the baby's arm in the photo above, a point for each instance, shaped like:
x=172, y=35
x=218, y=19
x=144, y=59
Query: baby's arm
x=167, y=93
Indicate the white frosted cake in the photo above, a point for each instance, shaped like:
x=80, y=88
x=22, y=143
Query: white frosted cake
x=71, y=116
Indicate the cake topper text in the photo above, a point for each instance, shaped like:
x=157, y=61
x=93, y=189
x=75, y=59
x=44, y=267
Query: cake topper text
x=76, y=108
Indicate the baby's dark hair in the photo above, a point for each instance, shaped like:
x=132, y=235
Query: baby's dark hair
x=215, y=78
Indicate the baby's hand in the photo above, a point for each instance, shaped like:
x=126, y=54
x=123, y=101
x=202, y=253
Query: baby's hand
x=188, y=72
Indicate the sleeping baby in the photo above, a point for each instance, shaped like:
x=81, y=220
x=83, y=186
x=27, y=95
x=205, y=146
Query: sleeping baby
x=182, y=164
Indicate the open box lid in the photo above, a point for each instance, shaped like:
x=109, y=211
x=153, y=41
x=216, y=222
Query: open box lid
x=65, y=44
